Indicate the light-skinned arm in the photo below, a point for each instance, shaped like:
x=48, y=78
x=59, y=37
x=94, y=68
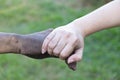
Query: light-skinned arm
x=66, y=39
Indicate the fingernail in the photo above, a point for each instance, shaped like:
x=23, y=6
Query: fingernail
x=43, y=51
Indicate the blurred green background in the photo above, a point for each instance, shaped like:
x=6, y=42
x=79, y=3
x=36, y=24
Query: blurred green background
x=102, y=50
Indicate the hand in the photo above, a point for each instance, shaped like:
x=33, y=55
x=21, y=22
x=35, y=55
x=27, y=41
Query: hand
x=63, y=41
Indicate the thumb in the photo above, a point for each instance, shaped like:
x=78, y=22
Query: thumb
x=76, y=57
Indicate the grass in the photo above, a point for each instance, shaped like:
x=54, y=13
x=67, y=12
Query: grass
x=101, y=54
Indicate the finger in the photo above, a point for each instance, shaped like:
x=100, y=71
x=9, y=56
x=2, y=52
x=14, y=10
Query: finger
x=53, y=43
x=76, y=57
x=59, y=47
x=66, y=52
x=46, y=41
x=71, y=45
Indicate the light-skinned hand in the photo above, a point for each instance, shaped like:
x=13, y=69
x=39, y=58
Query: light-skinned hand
x=63, y=41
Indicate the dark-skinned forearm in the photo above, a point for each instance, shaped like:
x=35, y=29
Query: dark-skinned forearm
x=29, y=45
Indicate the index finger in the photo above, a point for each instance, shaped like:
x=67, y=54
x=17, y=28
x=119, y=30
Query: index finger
x=46, y=42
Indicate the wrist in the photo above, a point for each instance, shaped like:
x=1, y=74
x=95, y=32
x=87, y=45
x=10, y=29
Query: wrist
x=85, y=26
x=80, y=27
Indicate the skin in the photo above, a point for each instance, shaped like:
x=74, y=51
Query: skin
x=22, y=44
x=68, y=38
x=29, y=45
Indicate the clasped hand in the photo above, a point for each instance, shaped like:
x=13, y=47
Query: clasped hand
x=63, y=41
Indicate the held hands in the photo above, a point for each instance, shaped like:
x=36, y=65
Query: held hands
x=66, y=39
x=63, y=41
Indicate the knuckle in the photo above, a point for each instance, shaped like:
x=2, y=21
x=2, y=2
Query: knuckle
x=79, y=59
x=75, y=41
x=63, y=56
x=49, y=51
x=68, y=34
x=59, y=45
x=55, y=51
x=51, y=45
